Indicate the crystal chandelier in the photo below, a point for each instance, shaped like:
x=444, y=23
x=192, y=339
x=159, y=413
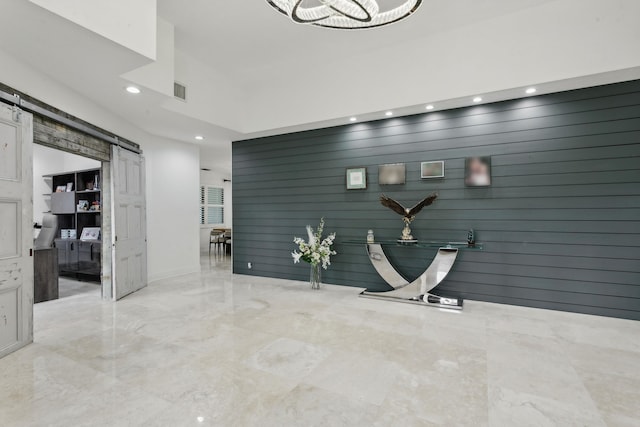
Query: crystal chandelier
x=344, y=14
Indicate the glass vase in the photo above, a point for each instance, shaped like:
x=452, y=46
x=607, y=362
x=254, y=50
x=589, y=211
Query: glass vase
x=316, y=276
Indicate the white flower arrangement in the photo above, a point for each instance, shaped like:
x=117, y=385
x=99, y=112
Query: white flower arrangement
x=317, y=250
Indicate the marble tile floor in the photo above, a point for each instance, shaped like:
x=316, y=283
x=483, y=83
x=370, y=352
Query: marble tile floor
x=70, y=287
x=214, y=349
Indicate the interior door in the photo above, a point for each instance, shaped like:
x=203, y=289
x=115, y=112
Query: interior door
x=16, y=229
x=129, y=229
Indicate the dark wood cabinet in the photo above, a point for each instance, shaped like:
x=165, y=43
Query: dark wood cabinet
x=79, y=259
x=45, y=280
x=67, y=253
x=89, y=256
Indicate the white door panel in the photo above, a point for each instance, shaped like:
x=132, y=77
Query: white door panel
x=16, y=263
x=9, y=148
x=129, y=230
x=10, y=211
x=9, y=317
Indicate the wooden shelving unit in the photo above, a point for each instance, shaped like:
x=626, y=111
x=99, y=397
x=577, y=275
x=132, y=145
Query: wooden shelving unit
x=78, y=207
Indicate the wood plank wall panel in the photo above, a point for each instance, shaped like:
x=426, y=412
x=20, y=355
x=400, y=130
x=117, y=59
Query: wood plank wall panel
x=60, y=137
x=560, y=223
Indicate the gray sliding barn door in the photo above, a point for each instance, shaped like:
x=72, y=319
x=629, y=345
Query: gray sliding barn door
x=129, y=227
x=16, y=229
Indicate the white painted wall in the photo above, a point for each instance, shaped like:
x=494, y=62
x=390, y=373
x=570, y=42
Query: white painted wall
x=172, y=207
x=158, y=75
x=216, y=178
x=75, y=163
x=178, y=253
x=45, y=161
x=50, y=161
x=131, y=24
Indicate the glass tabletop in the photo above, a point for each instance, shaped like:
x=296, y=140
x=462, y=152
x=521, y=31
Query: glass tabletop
x=418, y=244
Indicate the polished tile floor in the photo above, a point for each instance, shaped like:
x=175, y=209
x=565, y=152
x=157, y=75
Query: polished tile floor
x=214, y=349
x=70, y=287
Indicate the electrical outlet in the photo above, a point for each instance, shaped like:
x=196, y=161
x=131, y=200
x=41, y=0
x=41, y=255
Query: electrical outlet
x=249, y=265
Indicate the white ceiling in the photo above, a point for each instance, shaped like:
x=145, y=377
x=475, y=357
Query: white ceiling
x=251, y=72
x=250, y=41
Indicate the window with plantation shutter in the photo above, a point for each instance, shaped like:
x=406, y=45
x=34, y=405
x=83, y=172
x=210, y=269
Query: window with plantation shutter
x=211, y=205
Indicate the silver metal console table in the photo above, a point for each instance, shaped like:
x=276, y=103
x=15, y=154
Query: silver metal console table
x=420, y=290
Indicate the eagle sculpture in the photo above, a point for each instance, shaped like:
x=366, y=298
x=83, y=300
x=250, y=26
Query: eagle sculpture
x=408, y=214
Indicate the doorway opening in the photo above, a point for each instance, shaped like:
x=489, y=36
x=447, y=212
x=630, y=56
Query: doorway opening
x=119, y=209
x=67, y=218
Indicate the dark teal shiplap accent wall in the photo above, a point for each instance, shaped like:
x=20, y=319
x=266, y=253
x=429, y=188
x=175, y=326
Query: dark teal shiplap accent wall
x=560, y=224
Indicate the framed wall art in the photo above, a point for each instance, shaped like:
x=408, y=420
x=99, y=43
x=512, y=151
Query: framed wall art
x=477, y=171
x=391, y=174
x=356, y=178
x=90, y=233
x=432, y=169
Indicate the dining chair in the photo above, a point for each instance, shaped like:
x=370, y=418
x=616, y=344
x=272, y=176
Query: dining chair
x=216, y=237
x=227, y=241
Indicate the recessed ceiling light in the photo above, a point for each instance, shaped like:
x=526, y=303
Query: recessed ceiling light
x=133, y=89
x=353, y=119
x=429, y=107
x=477, y=99
x=531, y=90
x=199, y=137
x=389, y=113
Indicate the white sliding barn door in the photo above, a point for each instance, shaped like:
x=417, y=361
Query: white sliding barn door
x=16, y=229
x=129, y=227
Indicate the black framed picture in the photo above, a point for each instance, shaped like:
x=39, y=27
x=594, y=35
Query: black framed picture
x=432, y=169
x=356, y=178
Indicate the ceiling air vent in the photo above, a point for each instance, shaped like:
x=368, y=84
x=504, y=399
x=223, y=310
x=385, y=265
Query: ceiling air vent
x=180, y=91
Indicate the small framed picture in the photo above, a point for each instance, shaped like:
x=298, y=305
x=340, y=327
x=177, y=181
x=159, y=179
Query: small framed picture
x=356, y=178
x=83, y=205
x=432, y=169
x=477, y=171
x=61, y=188
x=90, y=233
x=69, y=186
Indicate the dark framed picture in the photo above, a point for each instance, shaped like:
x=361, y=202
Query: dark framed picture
x=477, y=171
x=432, y=169
x=356, y=178
x=392, y=174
